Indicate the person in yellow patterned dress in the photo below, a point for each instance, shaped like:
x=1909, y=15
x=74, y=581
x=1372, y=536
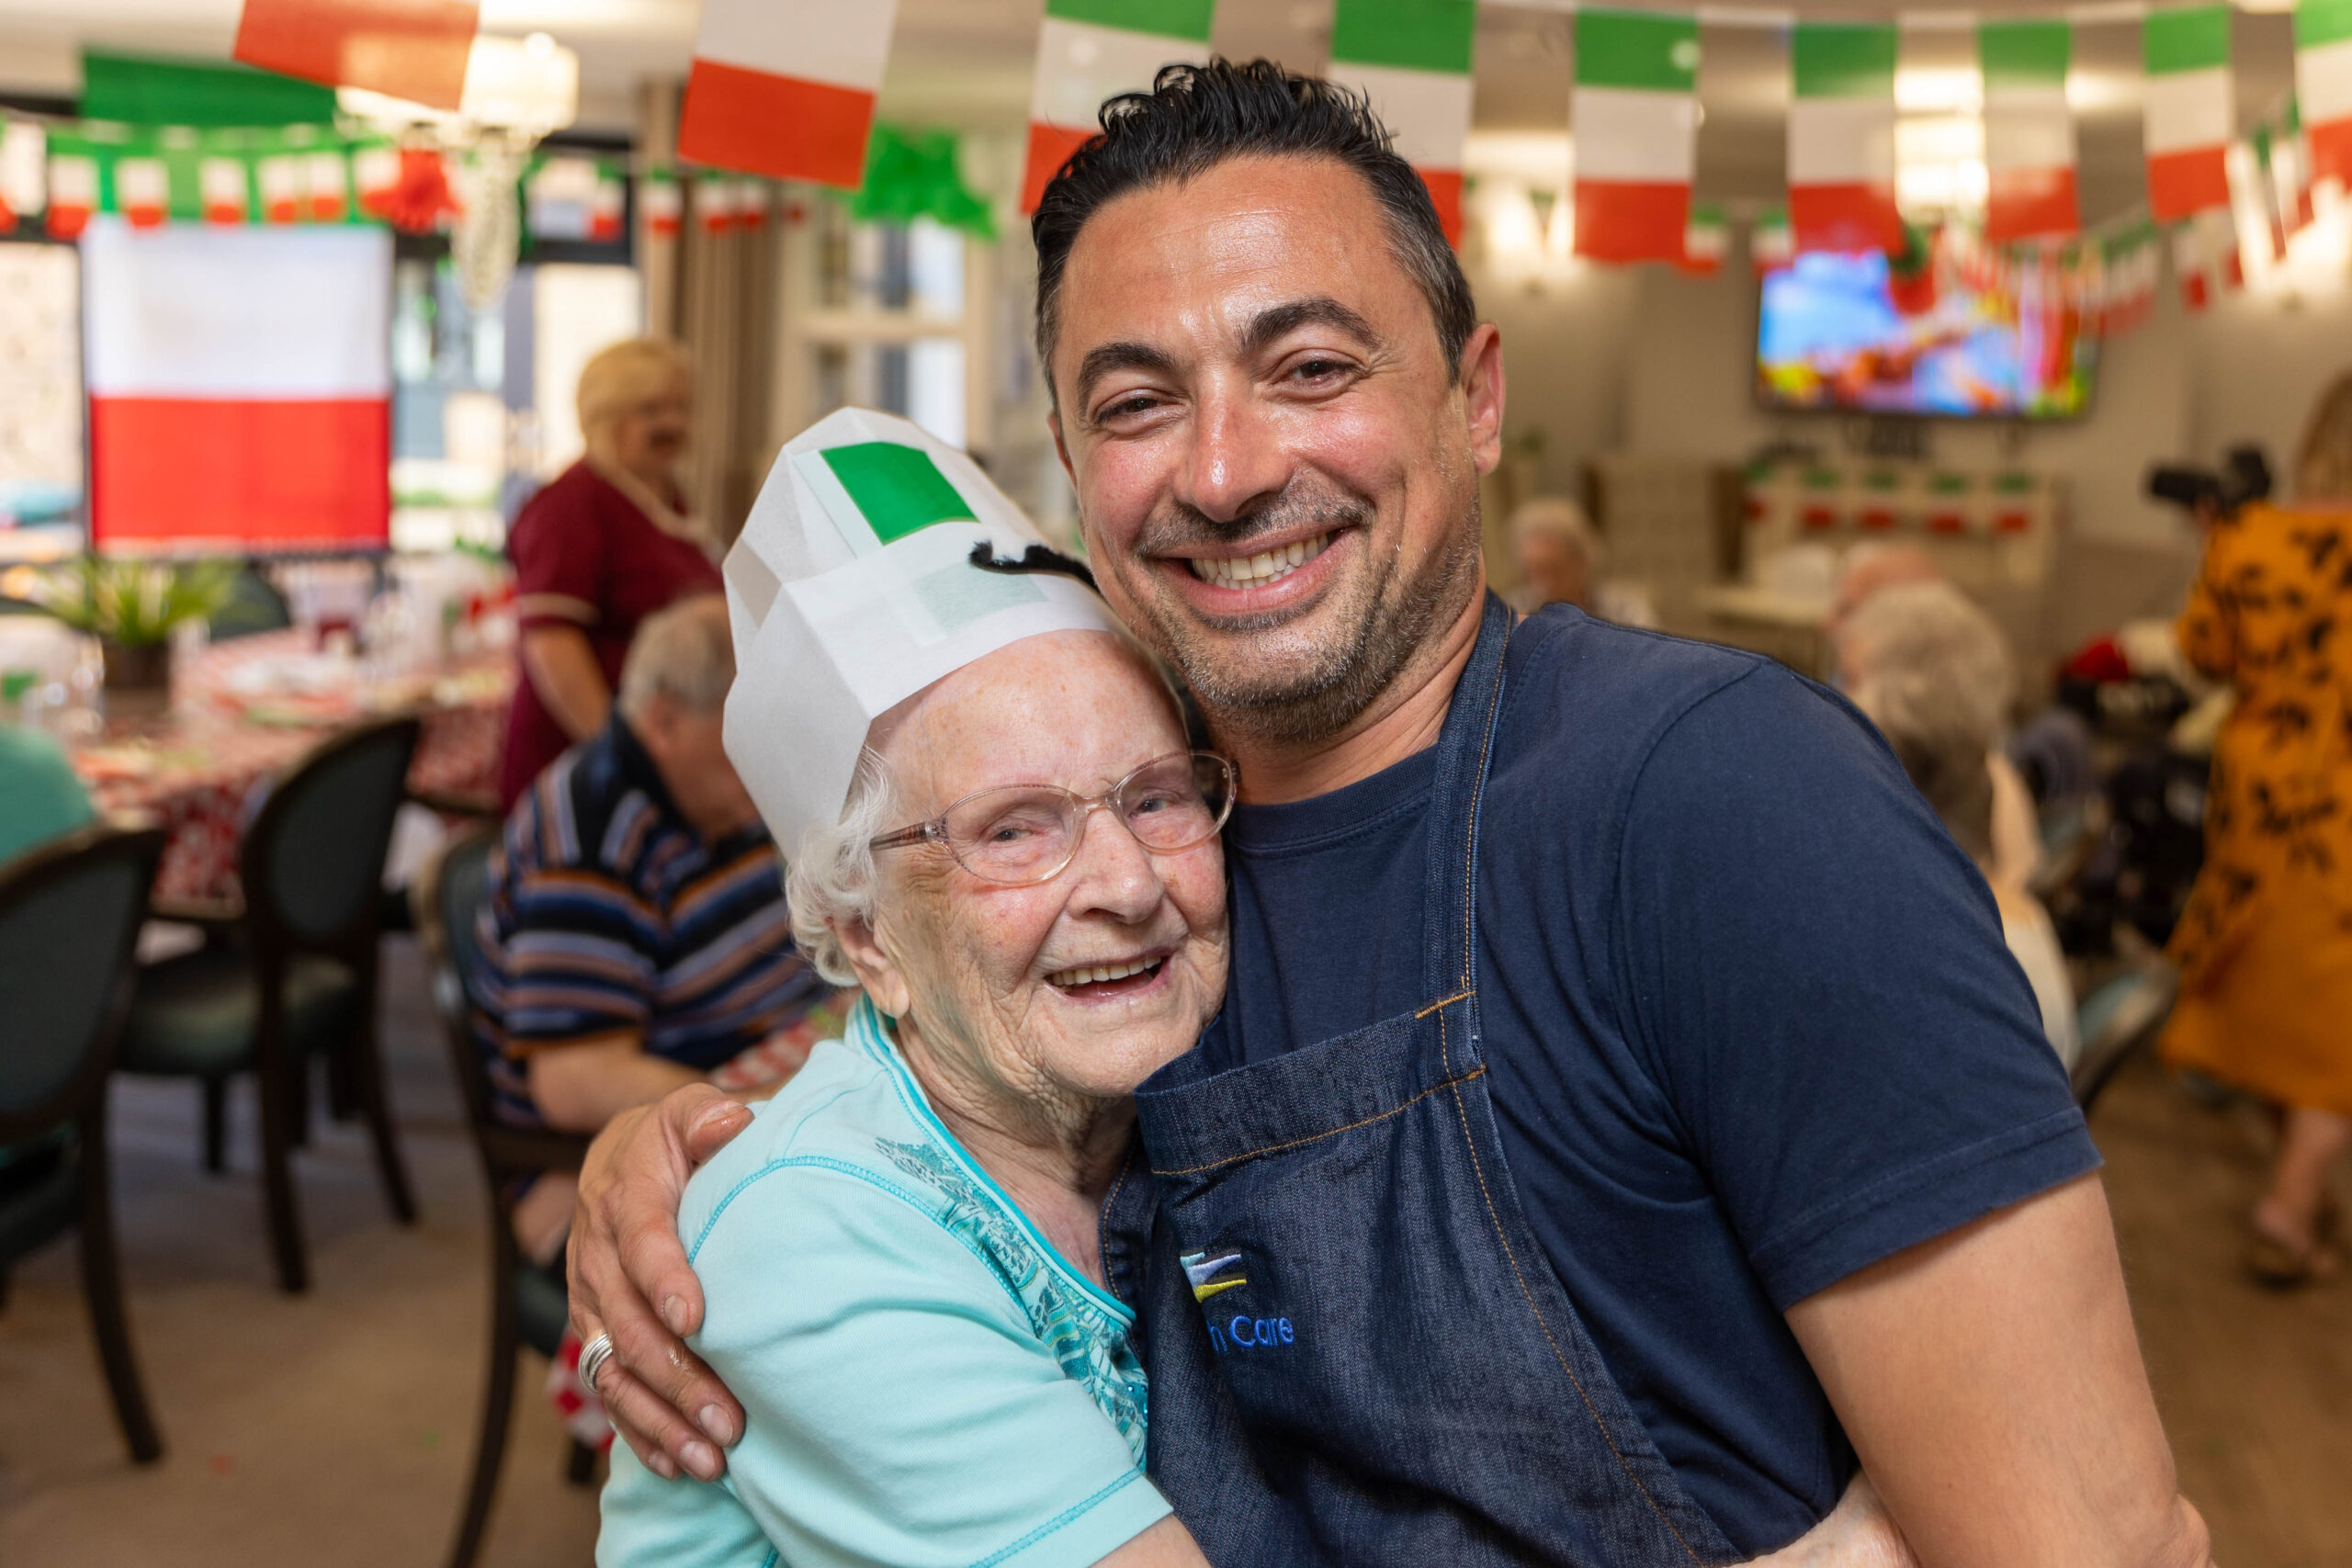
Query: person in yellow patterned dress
x=2265, y=946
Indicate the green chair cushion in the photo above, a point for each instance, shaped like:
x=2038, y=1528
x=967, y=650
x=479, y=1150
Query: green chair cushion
x=541, y=1311
x=195, y=1016
x=41, y=1200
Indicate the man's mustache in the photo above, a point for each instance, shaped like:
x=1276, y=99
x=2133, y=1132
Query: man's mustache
x=1179, y=527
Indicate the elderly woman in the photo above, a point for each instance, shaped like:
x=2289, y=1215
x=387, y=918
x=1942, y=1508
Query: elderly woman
x=602, y=546
x=1931, y=671
x=1562, y=561
x=900, y=1255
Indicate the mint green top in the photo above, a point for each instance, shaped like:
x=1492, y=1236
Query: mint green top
x=42, y=797
x=927, y=1381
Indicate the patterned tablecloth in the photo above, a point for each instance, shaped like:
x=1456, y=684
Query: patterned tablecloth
x=244, y=712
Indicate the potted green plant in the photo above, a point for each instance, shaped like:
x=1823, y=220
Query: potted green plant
x=132, y=607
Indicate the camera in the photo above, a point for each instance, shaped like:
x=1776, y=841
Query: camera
x=2245, y=476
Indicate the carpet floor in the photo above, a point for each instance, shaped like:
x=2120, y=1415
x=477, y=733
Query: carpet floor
x=337, y=1427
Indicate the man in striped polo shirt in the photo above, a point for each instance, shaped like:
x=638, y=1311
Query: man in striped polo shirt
x=636, y=936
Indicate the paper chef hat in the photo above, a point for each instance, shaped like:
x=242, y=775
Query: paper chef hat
x=853, y=588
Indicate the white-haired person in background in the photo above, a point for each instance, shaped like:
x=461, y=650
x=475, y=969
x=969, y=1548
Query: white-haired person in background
x=1563, y=560
x=605, y=545
x=1932, y=672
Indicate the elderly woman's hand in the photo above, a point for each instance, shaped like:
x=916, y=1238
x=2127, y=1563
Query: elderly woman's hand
x=626, y=1255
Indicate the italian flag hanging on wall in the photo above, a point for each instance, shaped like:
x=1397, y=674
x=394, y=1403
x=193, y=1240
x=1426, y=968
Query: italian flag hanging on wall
x=1636, y=129
x=1092, y=49
x=1413, y=58
x=2029, y=130
x=408, y=49
x=240, y=384
x=2189, y=115
x=1841, y=138
x=2324, y=87
x=786, y=88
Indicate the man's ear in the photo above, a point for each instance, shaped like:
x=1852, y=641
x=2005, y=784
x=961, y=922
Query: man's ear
x=1482, y=394
x=877, y=970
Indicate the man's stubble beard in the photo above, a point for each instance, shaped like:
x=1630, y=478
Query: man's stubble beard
x=1320, y=685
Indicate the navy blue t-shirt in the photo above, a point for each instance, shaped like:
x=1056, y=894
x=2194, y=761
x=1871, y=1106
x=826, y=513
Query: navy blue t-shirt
x=1749, y=1020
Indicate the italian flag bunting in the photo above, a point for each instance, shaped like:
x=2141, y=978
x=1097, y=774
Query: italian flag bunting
x=2029, y=130
x=1413, y=58
x=328, y=186
x=409, y=48
x=2189, y=269
x=1771, y=245
x=786, y=88
x=2190, y=116
x=1841, y=138
x=1706, y=239
x=73, y=193
x=1636, y=129
x=663, y=202
x=283, y=179
x=142, y=191
x=2323, y=87
x=222, y=182
x=1089, y=51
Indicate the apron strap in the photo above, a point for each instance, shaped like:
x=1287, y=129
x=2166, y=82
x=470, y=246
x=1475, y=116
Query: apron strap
x=1449, y=935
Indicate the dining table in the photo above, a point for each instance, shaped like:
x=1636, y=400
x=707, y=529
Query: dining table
x=244, y=712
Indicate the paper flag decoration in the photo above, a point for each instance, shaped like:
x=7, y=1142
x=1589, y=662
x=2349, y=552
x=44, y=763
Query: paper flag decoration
x=786, y=88
x=1635, y=119
x=2029, y=130
x=1771, y=245
x=409, y=48
x=239, y=384
x=1413, y=58
x=73, y=193
x=1705, y=241
x=2188, y=109
x=142, y=191
x=326, y=185
x=2190, y=270
x=663, y=202
x=223, y=182
x=1092, y=49
x=605, y=210
x=2323, y=87
x=852, y=588
x=1841, y=138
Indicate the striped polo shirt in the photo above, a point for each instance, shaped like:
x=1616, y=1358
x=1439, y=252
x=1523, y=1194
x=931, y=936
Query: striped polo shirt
x=610, y=918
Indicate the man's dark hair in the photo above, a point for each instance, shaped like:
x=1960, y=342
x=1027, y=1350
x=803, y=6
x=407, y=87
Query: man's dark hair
x=1197, y=116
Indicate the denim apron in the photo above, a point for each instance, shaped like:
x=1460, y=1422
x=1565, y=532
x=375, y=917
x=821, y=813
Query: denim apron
x=1358, y=1354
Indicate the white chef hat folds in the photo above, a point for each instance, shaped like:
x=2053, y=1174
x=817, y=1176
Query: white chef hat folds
x=853, y=588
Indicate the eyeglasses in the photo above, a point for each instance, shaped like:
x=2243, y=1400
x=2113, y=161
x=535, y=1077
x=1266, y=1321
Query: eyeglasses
x=1019, y=835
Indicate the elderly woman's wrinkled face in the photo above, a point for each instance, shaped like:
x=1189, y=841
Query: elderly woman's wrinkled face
x=649, y=437
x=1082, y=985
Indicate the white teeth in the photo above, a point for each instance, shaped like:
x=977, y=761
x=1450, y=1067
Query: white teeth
x=1099, y=973
x=1266, y=565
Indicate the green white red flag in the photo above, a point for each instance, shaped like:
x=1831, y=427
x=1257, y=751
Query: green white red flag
x=220, y=183
x=407, y=49
x=1706, y=240
x=1089, y=50
x=1412, y=57
x=1635, y=119
x=2323, y=87
x=2188, y=109
x=1841, y=138
x=786, y=88
x=142, y=191
x=663, y=202
x=2190, y=268
x=1770, y=245
x=2029, y=130
x=73, y=194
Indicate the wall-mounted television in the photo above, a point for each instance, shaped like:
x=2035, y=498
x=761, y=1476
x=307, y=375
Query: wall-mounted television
x=1838, y=334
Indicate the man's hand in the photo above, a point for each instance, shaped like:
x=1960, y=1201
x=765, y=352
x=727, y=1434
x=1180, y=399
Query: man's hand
x=1860, y=1534
x=626, y=1255
x=1992, y=1385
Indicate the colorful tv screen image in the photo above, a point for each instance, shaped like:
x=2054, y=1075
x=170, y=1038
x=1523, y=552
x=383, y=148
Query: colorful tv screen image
x=1839, y=334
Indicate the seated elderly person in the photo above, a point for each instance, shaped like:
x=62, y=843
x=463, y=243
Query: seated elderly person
x=1931, y=671
x=1562, y=560
x=635, y=935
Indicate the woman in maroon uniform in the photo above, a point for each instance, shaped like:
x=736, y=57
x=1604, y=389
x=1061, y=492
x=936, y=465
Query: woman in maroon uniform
x=598, y=550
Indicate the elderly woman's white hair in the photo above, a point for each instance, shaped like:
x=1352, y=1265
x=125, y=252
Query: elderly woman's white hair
x=1932, y=672
x=1558, y=518
x=623, y=376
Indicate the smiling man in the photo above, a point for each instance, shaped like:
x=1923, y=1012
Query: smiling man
x=1625, y=1123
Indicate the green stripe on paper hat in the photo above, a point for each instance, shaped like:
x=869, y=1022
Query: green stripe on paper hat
x=899, y=489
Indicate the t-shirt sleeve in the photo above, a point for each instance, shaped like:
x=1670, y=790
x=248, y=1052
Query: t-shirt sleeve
x=901, y=1409
x=1820, y=984
x=558, y=549
x=580, y=961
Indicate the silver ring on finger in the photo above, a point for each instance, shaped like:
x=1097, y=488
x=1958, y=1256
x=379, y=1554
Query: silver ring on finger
x=592, y=1357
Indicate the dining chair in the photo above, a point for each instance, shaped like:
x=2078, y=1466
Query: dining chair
x=289, y=975
x=527, y=1302
x=2119, y=1019
x=68, y=918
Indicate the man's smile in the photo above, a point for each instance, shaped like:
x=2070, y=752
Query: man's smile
x=1265, y=567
